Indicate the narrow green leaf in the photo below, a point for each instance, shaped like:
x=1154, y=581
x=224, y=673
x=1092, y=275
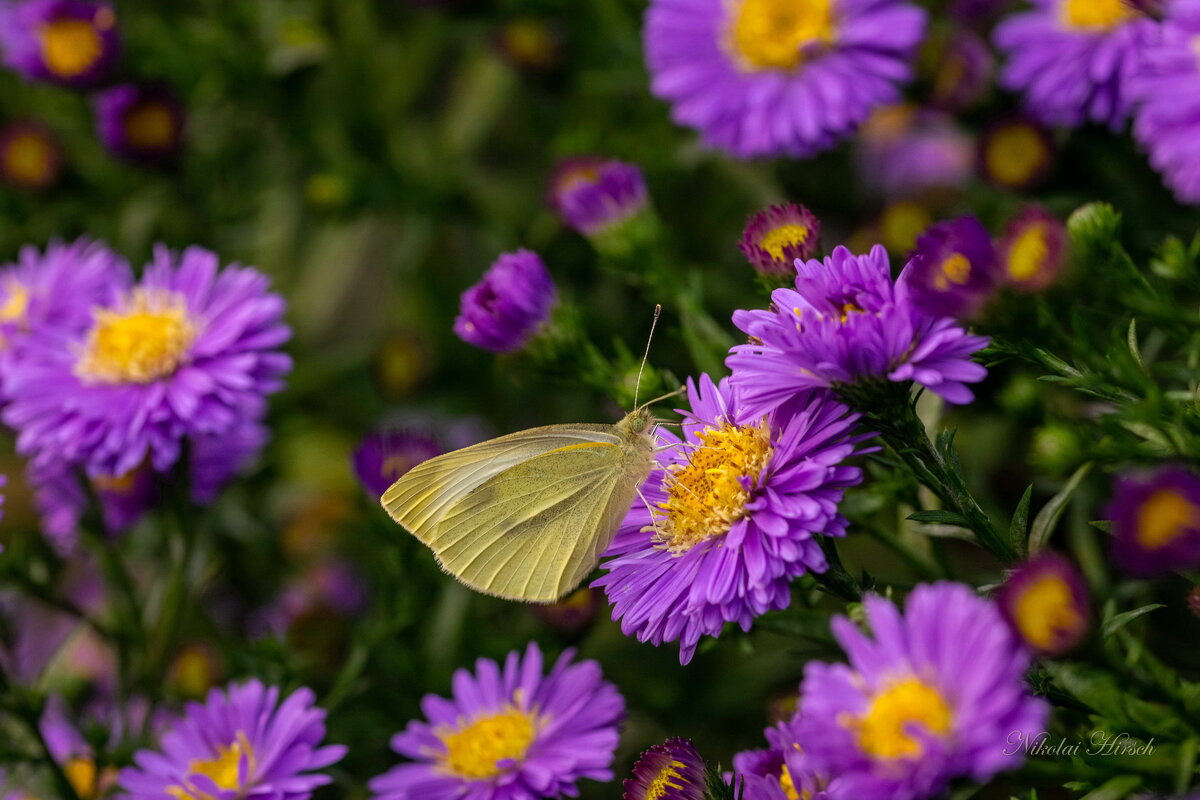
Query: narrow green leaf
x=940, y=517
x=1020, y=521
x=1117, y=788
x=1119, y=621
x=1132, y=338
x=1047, y=518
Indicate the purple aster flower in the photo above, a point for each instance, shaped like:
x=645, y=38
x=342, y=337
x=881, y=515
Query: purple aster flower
x=385, y=455
x=140, y=123
x=962, y=71
x=733, y=515
x=30, y=156
x=190, y=352
x=847, y=323
x=776, y=77
x=1073, y=60
x=778, y=772
x=68, y=42
x=56, y=290
x=509, y=733
x=1046, y=602
x=1167, y=118
x=73, y=754
x=1033, y=250
x=672, y=770
x=504, y=310
x=593, y=194
x=776, y=236
x=1156, y=521
x=952, y=273
x=243, y=742
x=330, y=586
x=1015, y=153
x=904, y=152
x=933, y=696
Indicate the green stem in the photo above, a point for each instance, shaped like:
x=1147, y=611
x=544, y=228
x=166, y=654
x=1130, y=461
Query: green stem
x=836, y=580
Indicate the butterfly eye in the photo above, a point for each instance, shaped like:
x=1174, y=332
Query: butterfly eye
x=637, y=424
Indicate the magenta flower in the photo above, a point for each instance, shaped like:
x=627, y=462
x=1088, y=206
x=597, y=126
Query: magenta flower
x=504, y=310
x=1156, y=521
x=778, y=235
x=69, y=42
x=953, y=270
x=140, y=123
x=1045, y=600
x=509, y=733
x=672, y=770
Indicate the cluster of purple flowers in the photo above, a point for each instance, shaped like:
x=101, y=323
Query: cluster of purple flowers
x=117, y=381
x=77, y=44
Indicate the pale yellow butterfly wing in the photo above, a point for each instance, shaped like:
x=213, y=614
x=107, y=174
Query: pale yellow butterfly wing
x=536, y=530
x=420, y=498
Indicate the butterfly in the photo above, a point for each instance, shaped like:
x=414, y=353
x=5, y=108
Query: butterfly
x=528, y=515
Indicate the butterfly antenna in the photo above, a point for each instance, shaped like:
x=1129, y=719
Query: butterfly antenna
x=653, y=324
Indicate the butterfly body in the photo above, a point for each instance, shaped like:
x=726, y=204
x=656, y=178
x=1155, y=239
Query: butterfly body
x=527, y=516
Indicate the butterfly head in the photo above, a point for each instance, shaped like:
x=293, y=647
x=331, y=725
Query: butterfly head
x=637, y=422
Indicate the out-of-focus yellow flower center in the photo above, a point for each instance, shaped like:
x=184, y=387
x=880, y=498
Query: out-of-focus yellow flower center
x=146, y=341
x=1014, y=153
x=1029, y=252
x=116, y=484
x=396, y=465
x=1164, y=517
x=194, y=670
x=16, y=301
x=85, y=779
x=71, y=46
x=1045, y=610
x=669, y=778
x=1095, y=16
x=774, y=34
x=150, y=126
x=529, y=42
x=775, y=240
x=577, y=176
x=28, y=158
x=222, y=770
x=709, y=493
x=955, y=269
x=476, y=750
x=901, y=224
x=883, y=730
x=789, y=786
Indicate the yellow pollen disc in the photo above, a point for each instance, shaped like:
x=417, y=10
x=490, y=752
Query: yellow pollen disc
x=848, y=309
x=709, y=493
x=1046, y=610
x=15, y=303
x=776, y=239
x=668, y=778
x=901, y=224
x=1028, y=253
x=70, y=46
x=883, y=731
x=577, y=176
x=81, y=774
x=1164, y=517
x=956, y=269
x=116, y=484
x=789, y=786
x=773, y=34
x=146, y=341
x=222, y=770
x=476, y=750
x=1094, y=16
x=28, y=158
x=150, y=126
x=1014, y=154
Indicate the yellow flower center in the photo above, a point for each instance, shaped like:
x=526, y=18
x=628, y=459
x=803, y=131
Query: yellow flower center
x=1028, y=253
x=1095, y=16
x=146, y=341
x=85, y=779
x=1045, y=610
x=884, y=730
x=789, y=786
x=668, y=778
x=71, y=46
x=774, y=34
x=956, y=269
x=777, y=239
x=16, y=301
x=222, y=770
x=901, y=224
x=28, y=158
x=476, y=750
x=395, y=466
x=194, y=671
x=150, y=126
x=116, y=484
x=1014, y=154
x=1164, y=517
x=709, y=493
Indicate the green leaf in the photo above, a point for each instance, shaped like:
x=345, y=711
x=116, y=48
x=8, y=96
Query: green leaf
x=1122, y=710
x=1119, y=621
x=1020, y=521
x=1047, y=518
x=1132, y=339
x=940, y=517
x=1117, y=788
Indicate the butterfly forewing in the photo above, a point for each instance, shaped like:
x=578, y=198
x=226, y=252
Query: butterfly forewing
x=532, y=532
